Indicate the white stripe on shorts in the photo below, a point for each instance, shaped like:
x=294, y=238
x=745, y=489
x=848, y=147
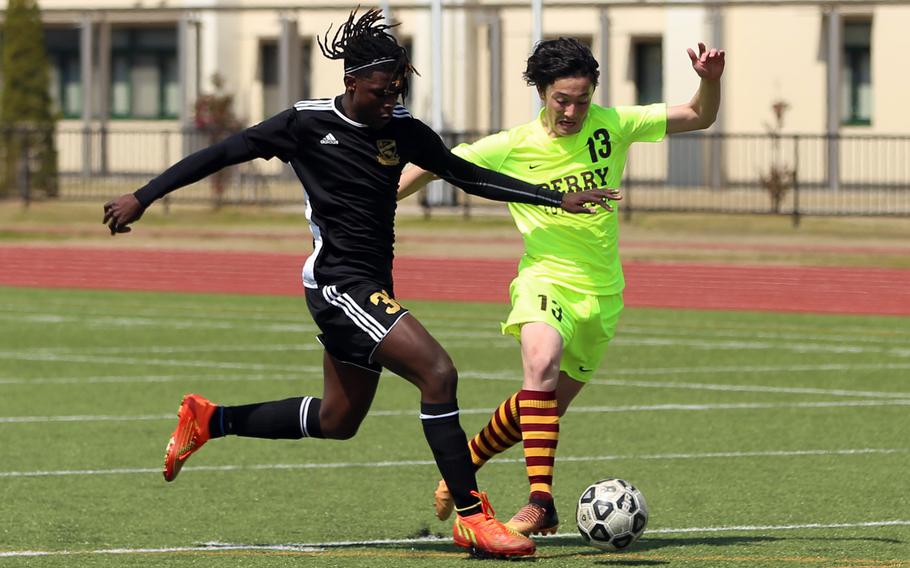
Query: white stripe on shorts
x=361, y=318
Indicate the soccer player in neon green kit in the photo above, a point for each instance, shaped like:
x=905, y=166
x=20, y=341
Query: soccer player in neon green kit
x=567, y=297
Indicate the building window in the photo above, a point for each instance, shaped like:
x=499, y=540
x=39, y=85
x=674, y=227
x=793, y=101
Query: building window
x=269, y=75
x=856, y=73
x=144, y=78
x=63, y=59
x=649, y=70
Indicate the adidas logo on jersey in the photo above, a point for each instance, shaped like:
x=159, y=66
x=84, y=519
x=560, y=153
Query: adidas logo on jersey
x=329, y=139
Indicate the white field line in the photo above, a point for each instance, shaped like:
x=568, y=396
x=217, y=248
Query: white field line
x=241, y=318
x=750, y=388
x=778, y=327
x=303, y=373
x=108, y=322
x=487, y=341
x=751, y=345
x=323, y=546
x=160, y=349
x=306, y=373
x=196, y=363
x=772, y=335
x=414, y=463
x=52, y=358
x=842, y=344
x=163, y=310
x=474, y=411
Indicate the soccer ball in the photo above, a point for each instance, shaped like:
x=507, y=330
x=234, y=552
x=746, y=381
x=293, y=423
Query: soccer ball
x=611, y=514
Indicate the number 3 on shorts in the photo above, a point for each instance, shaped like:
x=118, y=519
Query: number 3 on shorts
x=392, y=306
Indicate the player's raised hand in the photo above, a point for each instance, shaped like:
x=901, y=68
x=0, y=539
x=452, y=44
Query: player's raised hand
x=120, y=212
x=708, y=63
x=578, y=201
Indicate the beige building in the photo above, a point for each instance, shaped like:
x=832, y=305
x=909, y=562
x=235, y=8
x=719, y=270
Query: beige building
x=126, y=72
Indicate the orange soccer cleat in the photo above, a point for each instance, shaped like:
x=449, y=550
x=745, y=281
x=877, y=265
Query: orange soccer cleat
x=191, y=433
x=442, y=501
x=535, y=519
x=484, y=536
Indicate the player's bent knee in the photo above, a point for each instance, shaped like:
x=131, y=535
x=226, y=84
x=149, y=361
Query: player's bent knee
x=441, y=384
x=340, y=431
x=339, y=427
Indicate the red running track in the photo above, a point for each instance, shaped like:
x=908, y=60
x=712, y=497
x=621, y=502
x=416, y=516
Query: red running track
x=665, y=285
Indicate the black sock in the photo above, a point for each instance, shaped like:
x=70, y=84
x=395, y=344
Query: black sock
x=289, y=419
x=450, y=449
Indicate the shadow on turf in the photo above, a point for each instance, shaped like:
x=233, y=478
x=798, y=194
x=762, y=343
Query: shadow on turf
x=652, y=543
x=597, y=556
x=860, y=538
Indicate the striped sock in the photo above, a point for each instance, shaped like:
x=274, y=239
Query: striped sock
x=539, y=418
x=501, y=433
x=288, y=419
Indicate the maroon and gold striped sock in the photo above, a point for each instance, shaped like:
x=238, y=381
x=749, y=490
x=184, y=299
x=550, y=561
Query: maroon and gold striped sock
x=539, y=419
x=501, y=433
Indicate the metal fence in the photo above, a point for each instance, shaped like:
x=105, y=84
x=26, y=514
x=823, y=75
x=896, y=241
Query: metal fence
x=724, y=173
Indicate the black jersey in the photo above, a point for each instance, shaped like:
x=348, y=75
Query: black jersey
x=350, y=175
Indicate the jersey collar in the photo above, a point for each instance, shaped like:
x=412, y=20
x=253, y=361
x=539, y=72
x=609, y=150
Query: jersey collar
x=336, y=106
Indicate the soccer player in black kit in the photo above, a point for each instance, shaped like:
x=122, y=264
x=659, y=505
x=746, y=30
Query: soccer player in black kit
x=348, y=153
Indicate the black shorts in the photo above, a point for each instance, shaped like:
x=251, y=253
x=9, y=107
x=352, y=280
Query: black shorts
x=353, y=318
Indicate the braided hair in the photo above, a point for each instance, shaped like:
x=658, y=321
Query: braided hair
x=557, y=58
x=366, y=45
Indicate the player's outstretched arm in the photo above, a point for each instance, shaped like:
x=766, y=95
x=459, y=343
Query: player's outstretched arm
x=126, y=209
x=700, y=112
x=493, y=185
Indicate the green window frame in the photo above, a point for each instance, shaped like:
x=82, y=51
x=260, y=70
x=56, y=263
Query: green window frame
x=856, y=82
x=647, y=54
x=64, y=61
x=144, y=74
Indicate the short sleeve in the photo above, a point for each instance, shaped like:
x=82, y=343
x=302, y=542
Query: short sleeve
x=643, y=123
x=488, y=152
x=275, y=136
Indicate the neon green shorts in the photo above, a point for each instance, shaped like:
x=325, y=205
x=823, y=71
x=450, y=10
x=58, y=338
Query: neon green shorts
x=586, y=323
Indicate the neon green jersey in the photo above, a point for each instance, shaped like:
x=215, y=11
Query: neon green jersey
x=577, y=251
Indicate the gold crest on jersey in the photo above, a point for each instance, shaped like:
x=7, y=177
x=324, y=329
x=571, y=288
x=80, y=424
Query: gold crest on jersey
x=388, y=152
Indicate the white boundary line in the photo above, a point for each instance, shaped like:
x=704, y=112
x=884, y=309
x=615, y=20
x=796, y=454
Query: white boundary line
x=310, y=372
x=82, y=312
x=322, y=546
x=490, y=341
x=475, y=411
x=412, y=463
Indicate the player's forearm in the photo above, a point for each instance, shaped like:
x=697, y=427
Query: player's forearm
x=196, y=166
x=706, y=102
x=413, y=180
x=496, y=186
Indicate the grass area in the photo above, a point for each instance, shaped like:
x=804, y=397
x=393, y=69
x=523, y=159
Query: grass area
x=669, y=237
x=759, y=439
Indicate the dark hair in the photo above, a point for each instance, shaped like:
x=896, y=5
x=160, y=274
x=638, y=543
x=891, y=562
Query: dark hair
x=365, y=45
x=557, y=58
